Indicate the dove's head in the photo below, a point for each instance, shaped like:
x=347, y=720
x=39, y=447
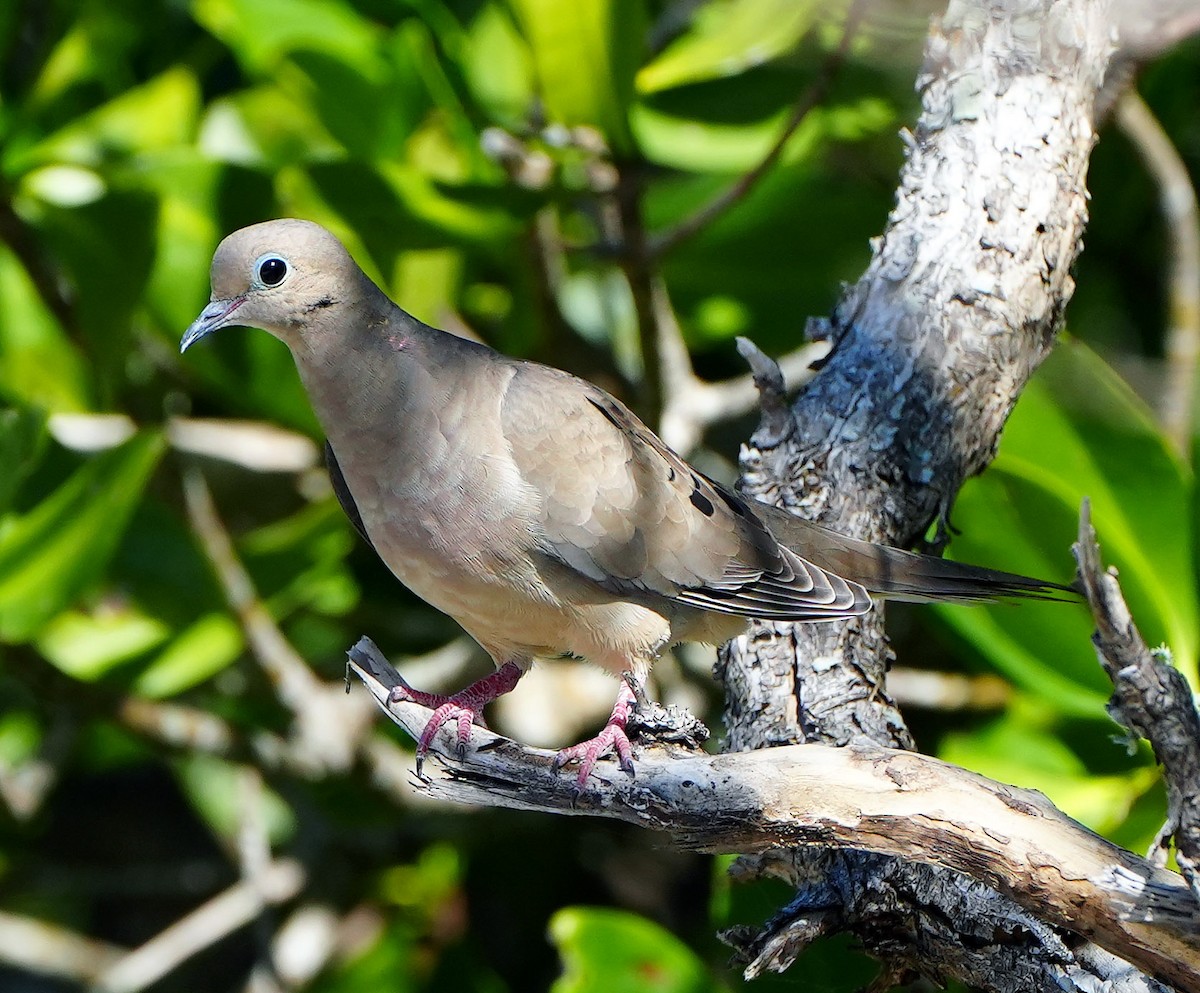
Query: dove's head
x=286, y=277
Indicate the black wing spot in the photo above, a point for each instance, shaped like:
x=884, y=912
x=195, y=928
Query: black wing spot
x=608, y=414
x=733, y=502
x=701, y=502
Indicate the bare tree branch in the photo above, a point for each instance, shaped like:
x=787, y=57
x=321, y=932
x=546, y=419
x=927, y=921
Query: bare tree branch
x=690, y=405
x=1150, y=697
x=1177, y=199
x=861, y=796
x=1146, y=28
x=960, y=303
x=52, y=950
x=814, y=96
x=234, y=908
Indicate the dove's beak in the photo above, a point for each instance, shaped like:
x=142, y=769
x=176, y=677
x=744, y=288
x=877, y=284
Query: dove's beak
x=212, y=318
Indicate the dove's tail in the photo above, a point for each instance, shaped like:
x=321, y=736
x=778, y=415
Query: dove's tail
x=895, y=574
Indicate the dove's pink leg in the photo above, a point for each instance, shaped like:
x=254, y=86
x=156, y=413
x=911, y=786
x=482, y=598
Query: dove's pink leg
x=611, y=739
x=465, y=706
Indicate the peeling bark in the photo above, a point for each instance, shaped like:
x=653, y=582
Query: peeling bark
x=961, y=302
x=787, y=802
x=1152, y=699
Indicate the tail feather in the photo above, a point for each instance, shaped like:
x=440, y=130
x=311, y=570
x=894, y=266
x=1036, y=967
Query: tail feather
x=908, y=576
x=895, y=574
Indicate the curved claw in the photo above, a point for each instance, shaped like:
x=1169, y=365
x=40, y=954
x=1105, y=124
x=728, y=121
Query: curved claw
x=464, y=708
x=611, y=739
x=587, y=753
x=451, y=710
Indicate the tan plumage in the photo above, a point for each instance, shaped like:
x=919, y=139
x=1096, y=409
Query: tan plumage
x=529, y=504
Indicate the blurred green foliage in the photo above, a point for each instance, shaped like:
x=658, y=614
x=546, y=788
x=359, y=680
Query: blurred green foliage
x=465, y=151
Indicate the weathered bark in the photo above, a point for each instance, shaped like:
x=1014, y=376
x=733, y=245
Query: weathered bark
x=931, y=348
x=958, y=306
x=889, y=801
x=1152, y=699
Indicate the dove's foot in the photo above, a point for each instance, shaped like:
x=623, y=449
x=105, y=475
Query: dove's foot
x=612, y=739
x=464, y=707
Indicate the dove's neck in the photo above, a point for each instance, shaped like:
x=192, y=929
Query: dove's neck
x=383, y=384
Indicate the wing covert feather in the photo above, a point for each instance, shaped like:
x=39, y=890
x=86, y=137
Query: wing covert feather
x=622, y=509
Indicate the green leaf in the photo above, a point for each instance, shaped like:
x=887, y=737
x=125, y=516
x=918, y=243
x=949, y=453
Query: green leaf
x=727, y=37
x=1078, y=431
x=22, y=439
x=599, y=306
x=261, y=32
x=198, y=653
x=89, y=646
x=498, y=66
x=384, y=108
x=106, y=248
x=39, y=364
x=161, y=113
x=397, y=206
x=610, y=951
x=430, y=882
x=187, y=186
x=299, y=562
x=264, y=126
x=703, y=146
x=417, y=48
x=585, y=55
x=20, y=738
x=697, y=145
x=217, y=790
x=50, y=555
x=96, y=52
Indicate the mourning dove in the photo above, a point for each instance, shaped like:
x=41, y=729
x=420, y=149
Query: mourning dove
x=530, y=505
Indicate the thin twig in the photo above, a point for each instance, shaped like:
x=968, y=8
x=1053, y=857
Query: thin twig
x=331, y=727
x=691, y=405
x=946, y=691
x=190, y=729
x=1177, y=200
x=52, y=950
x=328, y=724
x=1150, y=697
x=292, y=678
x=636, y=264
x=304, y=944
x=665, y=242
x=223, y=914
x=254, y=445
x=1145, y=30
x=254, y=860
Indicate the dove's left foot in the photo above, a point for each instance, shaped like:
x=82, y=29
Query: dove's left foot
x=612, y=739
x=464, y=707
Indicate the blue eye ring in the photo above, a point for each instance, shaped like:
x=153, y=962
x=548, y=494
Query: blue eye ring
x=270, y=270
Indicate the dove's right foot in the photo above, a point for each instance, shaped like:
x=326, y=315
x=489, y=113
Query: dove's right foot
x=464, y=707
x=610, y=741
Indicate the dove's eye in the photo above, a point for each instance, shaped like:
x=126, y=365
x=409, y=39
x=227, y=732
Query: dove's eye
x=271, y=270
